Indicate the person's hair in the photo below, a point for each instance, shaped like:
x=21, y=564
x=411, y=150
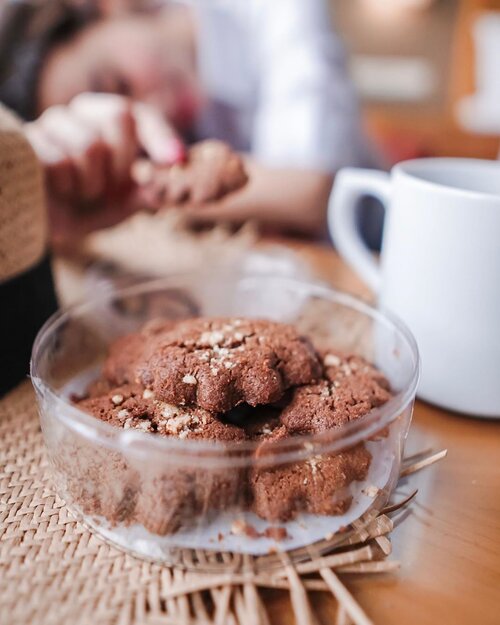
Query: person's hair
x=28, y=30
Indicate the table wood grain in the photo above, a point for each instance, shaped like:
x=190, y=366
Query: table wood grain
x=449, y=544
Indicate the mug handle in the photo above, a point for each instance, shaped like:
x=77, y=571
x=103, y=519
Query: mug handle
x=350, y=185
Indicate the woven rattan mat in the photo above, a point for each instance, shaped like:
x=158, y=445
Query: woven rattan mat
x=54, y=571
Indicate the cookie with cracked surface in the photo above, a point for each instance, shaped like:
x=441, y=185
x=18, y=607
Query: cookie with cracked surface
x=125, y=354
x=317, y=485
x=162, y=496
x=133, y=406
x=79, y=467
x=350, y=388
x=173, y=496
x=220, y=363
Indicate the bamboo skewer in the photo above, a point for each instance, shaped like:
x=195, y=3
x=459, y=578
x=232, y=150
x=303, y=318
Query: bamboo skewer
x=400, y=504
x=422, y=464
x=342, y=616
x=350, y=605
x=382, y=566
x=298, y=595
x=333, y=561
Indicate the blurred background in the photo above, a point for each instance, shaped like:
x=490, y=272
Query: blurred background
x=425, y=70
x=427, y=73
x=416, y=63
x=269, y=80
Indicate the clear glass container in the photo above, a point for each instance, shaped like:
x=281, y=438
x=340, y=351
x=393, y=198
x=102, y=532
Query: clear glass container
x=186, y=502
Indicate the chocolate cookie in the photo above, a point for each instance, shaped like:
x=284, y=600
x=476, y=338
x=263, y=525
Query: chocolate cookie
x=126, y=353
x=97, y=480
x=219, y=363
x=166, y=496
x=350, y=388
x=133, y=406
x=211, y=171
x=226, y=381
x=174, y=496
x=318, y=485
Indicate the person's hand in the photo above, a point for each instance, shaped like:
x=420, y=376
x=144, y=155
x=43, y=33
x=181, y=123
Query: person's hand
x=293, y=201
x=87, y=149
x=211, y=171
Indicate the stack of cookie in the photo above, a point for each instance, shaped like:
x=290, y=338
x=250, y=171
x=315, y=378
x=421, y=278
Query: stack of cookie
x=230, y=381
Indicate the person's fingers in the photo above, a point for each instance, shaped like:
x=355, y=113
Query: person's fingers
x=207, y=186
x=81, y=143
x=149, y=197
x=143, y=172
x=58, y=168
x=157, y=137
x=218, y=209
x=121, y=135
x=162, y=186
x=112, y=117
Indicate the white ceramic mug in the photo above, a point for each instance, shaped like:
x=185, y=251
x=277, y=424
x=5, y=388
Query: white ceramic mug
x=439, y=268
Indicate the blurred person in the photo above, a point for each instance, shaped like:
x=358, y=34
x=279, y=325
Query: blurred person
x=268, y=78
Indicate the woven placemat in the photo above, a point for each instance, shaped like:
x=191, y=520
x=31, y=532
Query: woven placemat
x=54, y=571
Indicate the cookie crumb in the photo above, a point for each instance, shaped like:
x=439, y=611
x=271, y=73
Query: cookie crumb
x=148, y=394
x=117, y=399
x=241, y=528
x=211, y=338
x=347, y=370
x=123, y=414
x=182, y=424
x=251, y=532
x=371, y=490
x=189, y=379
x=314, y=463
x=276, y=533
x=331, y=360
x=238, y=527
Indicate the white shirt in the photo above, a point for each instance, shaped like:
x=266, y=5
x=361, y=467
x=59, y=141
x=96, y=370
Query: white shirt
x=277, y=84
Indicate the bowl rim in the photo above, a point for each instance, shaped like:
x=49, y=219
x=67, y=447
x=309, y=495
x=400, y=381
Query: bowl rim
x=218, y=453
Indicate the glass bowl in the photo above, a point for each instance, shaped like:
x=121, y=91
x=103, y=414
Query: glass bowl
x=186, y=502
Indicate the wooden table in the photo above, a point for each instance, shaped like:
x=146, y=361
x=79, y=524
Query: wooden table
x=449, y=545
